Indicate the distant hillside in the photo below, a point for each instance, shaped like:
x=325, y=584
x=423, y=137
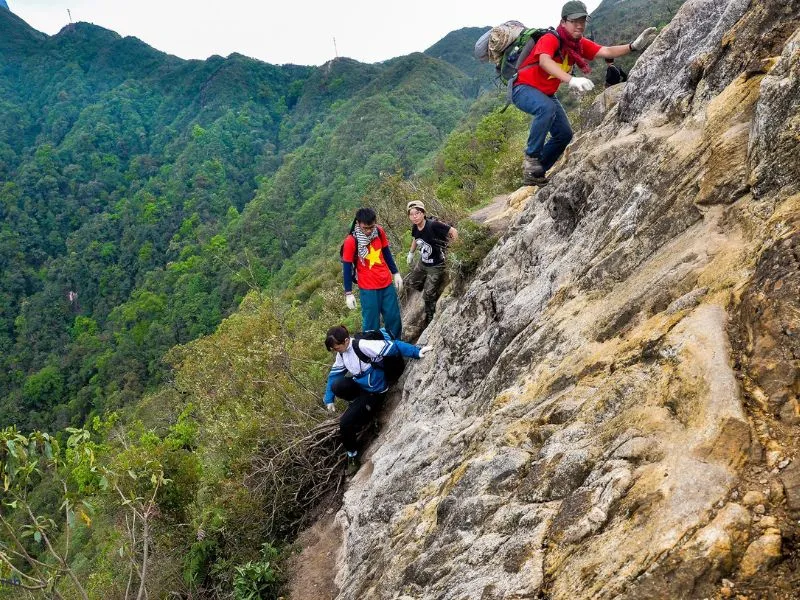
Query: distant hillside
x=456, y=48
x=143, y=195
x=620, y=21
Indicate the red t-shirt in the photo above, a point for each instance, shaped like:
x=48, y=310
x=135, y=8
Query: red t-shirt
x=548, y=44
x=372, y=271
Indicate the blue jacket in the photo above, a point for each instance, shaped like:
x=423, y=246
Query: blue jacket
x=370, y=378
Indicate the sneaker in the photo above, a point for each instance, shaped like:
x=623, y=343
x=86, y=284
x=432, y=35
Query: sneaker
x=353, y=465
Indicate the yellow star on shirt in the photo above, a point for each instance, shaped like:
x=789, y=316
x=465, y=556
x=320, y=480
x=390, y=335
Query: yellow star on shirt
x=374, y=256
x=564, y=67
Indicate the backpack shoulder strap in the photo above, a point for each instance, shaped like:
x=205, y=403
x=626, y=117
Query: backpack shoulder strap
x=558, y=52
x=558, y=37
x=359, y=352
x=382, y=236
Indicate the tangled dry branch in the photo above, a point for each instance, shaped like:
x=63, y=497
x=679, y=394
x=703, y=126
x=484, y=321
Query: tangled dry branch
x=294, y=478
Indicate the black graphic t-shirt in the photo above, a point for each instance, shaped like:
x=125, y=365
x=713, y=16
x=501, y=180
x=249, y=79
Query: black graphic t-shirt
x=431, y=241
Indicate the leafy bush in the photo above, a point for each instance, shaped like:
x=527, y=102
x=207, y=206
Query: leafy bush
x=474, y=243
x=258, y=580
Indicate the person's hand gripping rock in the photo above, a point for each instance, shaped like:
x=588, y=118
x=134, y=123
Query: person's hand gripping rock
x=644, y=40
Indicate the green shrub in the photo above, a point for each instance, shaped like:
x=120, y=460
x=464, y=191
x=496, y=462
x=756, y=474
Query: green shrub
x=258, y=580
x=198, y=561
x=465, y=256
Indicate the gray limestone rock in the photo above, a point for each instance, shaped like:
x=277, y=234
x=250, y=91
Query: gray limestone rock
x=581, y=427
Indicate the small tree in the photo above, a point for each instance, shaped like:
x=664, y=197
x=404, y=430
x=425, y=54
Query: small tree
x=34, y=547
x=25, y=462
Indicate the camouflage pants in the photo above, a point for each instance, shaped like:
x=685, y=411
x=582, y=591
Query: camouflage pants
x=429, y=281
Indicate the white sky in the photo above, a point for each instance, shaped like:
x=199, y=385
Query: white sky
x=285, y=31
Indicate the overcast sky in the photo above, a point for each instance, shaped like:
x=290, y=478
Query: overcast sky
x=284, y=31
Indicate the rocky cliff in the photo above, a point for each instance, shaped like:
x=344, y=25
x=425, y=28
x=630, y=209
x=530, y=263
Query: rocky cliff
x=612, y=410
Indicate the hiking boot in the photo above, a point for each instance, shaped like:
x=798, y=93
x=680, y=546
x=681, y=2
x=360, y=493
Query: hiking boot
x=537, y=181
x=353, y=465
x=532, y=171
x=531, y=167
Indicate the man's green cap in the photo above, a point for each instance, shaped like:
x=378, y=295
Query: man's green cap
x=575, y=9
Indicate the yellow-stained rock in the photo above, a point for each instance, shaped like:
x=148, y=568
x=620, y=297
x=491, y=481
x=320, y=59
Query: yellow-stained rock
x=761, y=554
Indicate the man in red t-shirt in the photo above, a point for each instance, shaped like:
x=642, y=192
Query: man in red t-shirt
x=548, y=66
x=368, y=248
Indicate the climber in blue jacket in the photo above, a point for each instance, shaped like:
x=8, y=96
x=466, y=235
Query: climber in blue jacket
x=373, y=365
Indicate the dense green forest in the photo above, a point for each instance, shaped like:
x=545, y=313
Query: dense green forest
x=143, y=195
x=168, y=266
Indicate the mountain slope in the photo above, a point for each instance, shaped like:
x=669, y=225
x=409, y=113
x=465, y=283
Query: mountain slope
x=456, y=49
x=146, y=194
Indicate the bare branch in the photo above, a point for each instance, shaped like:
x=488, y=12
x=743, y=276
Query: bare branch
x=64, y=566
x=294, y=477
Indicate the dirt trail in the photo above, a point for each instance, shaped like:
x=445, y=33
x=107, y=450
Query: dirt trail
x=314, y=569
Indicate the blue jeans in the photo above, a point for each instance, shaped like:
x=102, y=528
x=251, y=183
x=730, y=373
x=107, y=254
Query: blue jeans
x=548, y=116
x=377, y=303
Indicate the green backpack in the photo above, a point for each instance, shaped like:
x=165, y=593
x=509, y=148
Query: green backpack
x=518, y=51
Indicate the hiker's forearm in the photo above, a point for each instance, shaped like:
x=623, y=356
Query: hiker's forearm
x=613, y=51
x=387, y=255
x=347, y=276
x=551, y=67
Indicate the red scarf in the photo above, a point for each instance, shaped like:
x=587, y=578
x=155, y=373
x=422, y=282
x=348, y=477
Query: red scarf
x=573, y=48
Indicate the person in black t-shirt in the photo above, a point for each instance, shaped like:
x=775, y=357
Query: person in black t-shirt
x=431, y=238
x=614, y=74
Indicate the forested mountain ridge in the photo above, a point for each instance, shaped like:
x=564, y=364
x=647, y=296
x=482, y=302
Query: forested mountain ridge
x=124, y=173
x=109, y=148
x=451, y=49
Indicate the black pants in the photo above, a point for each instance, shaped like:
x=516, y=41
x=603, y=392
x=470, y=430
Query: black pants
x=363, y=407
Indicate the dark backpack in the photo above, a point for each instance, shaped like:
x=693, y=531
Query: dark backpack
x=437, y=219
x=393, y=366
x=518, y=51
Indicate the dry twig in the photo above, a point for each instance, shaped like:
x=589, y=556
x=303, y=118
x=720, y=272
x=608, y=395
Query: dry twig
x=293, y=478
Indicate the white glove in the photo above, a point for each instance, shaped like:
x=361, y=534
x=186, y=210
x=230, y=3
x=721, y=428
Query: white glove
x=398, y=282
x=410, y=257
x=581, y=84
x=331, y=407
x=644, y=40
x=350, y=300
x=424, y=350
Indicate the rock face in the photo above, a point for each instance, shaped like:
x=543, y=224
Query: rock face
x=582, y=430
